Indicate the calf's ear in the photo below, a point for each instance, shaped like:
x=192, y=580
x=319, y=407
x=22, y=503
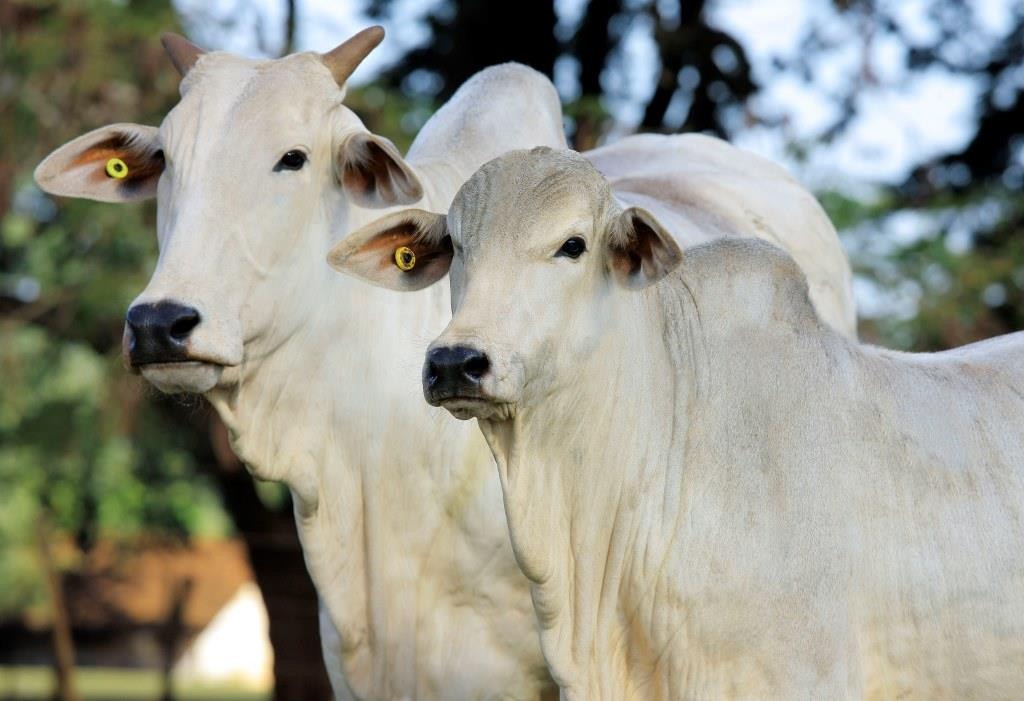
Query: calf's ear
x=117, y=163
x=404, y=251
x=374, y=174
x=641, y=250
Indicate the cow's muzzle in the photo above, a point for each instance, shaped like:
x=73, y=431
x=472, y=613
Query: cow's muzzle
x=158, y=333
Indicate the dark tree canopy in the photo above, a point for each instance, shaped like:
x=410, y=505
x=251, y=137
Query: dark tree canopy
x=702, y=68
x=464, y=40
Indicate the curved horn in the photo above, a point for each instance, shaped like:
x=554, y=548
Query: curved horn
x=344, y=58
x=183, y=52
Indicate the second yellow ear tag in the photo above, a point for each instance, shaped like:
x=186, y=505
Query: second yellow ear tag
x=405, y=259
x=116, y=168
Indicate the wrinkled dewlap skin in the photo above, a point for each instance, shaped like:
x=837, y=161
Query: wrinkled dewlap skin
x=397, y=504
x=716, y=495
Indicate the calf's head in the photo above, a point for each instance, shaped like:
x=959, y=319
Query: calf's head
x=538, y=250
x=253, y=170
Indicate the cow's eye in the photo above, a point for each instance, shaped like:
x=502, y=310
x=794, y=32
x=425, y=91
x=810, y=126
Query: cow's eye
x=293, y=160
x=572, y=248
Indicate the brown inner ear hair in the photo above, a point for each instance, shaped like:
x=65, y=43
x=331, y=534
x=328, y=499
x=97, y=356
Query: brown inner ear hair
x=408, y=234
x=632, y=246
x=370, y=170
x=143, y=162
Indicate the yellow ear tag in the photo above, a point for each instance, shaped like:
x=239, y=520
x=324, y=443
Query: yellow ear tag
x=405, y=259
x=116, y=168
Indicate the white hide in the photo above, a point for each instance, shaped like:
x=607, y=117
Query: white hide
x=315, y=374
x=713, y=493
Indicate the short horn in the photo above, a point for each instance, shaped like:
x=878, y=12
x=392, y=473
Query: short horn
x=344, y=58
x=183, y=52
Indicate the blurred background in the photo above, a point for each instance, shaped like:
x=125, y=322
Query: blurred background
x=137, y=557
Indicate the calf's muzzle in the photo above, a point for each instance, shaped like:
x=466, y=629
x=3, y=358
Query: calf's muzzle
x=452, y=372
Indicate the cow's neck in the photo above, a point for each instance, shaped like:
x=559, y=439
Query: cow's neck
x=335, y=410
x=591, y=489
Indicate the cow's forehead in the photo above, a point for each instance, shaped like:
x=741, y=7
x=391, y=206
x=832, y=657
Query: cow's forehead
x=526, y=194
x=226, y=94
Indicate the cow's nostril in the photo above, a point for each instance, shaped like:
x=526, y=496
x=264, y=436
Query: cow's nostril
x=158, y=332
x=476, y=365
x=454, y=371
x=182, y=327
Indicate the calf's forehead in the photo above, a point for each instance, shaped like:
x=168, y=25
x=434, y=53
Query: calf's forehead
x=525, y=197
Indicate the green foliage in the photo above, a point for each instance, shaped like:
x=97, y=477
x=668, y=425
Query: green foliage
x=389, y=112
x=944, y=272
x=78, y=436
x=105, y=683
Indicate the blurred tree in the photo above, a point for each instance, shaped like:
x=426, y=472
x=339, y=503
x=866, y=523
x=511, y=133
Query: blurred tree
x=74, y=437
x=464, y=39
x=81, y=441
x=704, y=78
x=963, y=270
x=988, y=172
x=592, y=47
x=702, y=66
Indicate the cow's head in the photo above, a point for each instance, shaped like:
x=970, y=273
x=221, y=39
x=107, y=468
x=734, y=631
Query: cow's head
x=537, y=248
x=257, y=159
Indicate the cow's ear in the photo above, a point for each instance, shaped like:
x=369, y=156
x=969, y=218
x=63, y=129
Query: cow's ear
x=374, y=174
x=641, y=250
x=404, y=251
x=118, y=163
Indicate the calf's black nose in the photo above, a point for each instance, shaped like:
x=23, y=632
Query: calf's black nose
x=158, y=333
x=453, y=371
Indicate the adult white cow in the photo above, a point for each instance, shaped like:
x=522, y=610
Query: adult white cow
x=257, y=170
x=713, y=493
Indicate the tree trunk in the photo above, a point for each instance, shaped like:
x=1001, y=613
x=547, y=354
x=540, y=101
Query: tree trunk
x=171, y=636
x=63, y=644
x=290, y=11
x=593, y=44
x=292, y=607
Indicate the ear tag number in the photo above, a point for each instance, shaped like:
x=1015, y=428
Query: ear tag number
x=116, y=168
x=405, y=259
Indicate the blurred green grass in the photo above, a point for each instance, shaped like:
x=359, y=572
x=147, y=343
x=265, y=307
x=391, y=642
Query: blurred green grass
x=109, y=684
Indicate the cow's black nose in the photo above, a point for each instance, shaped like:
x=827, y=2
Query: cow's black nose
x=158, y=333
x=453, y=371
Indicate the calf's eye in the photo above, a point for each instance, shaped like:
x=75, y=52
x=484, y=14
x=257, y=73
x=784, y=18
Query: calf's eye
x=293, y=160
x=572, y=248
